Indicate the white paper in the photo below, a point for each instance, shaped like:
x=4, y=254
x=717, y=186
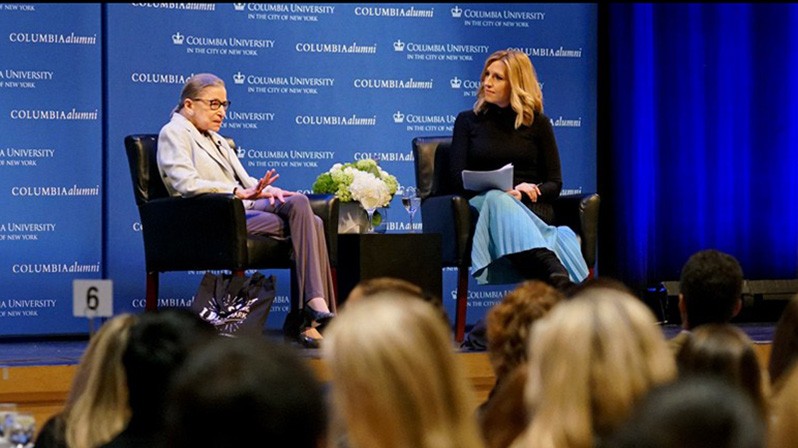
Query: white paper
x=501, y=179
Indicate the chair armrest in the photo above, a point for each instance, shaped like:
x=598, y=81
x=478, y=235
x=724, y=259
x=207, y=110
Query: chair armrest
x=326, y=206
x=580, y=212
x=454, y=219
x=172, y=228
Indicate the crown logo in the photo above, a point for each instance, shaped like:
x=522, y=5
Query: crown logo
x=398, y=117
x=239, y=6
x=456, y=11
x=455, y=82
x=399, y=45
x=241, y=152
x=238, y=78
x=177, y=38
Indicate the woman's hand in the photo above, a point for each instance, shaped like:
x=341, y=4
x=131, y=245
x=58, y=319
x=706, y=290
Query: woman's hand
x=255, y=192
x=267, y=179
x=271, y=193
x=524, y=188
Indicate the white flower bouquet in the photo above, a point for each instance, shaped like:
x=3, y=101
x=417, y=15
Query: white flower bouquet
x=362, y=181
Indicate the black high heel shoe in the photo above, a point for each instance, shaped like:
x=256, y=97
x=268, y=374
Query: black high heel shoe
x=294, y=330
x=316, y=318
x=307, y=341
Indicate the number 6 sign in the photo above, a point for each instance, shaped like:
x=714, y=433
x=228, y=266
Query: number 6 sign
x=92, y=298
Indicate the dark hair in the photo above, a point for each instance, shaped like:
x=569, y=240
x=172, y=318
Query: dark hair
x=784, y=350
x=158, y=345
x=248, y=389
x=711, y=283
x=692, y=413
x=725, y=352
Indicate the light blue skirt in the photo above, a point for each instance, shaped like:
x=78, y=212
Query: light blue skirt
x=506, y=226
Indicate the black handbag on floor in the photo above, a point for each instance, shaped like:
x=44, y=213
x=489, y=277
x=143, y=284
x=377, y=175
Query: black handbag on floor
x=235, y=305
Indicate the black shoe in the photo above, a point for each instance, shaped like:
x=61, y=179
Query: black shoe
x=307, y=341
x=561, y=282
x=316, y=318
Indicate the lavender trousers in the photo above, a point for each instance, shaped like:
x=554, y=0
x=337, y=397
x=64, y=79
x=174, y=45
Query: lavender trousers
x=296, y=219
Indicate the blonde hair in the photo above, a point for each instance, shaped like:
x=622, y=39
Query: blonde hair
x=591, y=359
x=526, y=97
x=97, y=407
x=395, y=380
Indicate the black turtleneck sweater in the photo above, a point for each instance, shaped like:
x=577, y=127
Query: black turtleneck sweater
x=489, y=140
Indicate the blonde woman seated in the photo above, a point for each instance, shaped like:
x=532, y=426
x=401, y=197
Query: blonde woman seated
x=395, y=381
x=591, y=359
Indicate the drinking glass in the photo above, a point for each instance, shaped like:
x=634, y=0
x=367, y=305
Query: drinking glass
x=411, y=202
x=370, y=204
x=20, y=434
x=370, y=211
x=7, y=412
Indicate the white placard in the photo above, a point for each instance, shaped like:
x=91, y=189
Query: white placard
x=92, y=298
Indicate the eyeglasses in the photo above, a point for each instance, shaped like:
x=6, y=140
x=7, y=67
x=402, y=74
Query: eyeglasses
x=214, y=104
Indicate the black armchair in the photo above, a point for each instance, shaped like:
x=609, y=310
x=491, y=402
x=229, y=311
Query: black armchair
x=451, y=215
x=207, y=232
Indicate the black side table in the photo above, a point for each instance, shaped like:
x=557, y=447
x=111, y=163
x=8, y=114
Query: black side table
x=415, y=257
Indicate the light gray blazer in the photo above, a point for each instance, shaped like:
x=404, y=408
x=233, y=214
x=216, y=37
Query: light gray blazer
x=190, y=164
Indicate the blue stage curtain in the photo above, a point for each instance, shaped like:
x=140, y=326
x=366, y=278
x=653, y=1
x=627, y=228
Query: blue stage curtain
x=699, y=148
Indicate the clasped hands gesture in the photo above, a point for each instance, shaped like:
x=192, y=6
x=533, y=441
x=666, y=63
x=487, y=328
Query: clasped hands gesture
x=264, y=189
x=530, y=190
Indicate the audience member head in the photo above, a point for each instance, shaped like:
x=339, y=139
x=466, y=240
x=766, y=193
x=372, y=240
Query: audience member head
x=526, y=97
x=242, y=390
x=395, y=380
x=158, y=346
x=591, y=359
x=97, y=409
x=710, y=289
x=509, y=321
x=698, y=412
x=784, y=350
x=377, y=286
x=724, y=351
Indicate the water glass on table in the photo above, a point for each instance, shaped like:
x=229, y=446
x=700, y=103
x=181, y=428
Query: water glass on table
x=20, y=434
x=411, y=203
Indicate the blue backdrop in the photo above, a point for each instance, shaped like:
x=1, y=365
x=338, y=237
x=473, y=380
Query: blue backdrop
x=702, y=143
x=51, y=160
x=311, y=85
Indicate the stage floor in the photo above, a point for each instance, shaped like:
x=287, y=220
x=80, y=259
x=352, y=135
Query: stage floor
x=49, y=352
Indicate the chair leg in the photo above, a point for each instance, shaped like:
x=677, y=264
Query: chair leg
x=334, y=272
x=461, y=304
x=151, y=298
x=293, y=320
